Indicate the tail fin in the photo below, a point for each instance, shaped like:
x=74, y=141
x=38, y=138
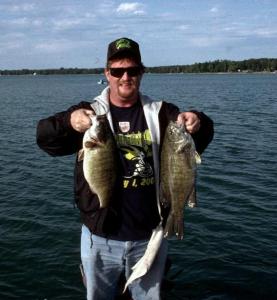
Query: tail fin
x=174, y=225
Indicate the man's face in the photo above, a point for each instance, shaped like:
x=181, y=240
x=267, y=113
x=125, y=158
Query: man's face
x=124, y=84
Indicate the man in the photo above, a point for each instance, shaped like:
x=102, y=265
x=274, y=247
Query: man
x=114, y=239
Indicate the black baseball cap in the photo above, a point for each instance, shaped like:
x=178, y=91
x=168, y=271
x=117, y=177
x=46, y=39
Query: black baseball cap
x=124, y=45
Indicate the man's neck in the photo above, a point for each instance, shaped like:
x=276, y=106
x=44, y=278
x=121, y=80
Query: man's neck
x=123, y=102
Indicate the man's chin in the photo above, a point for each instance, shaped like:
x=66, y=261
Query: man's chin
x=126, y=92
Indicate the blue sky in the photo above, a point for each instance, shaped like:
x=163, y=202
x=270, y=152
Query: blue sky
x=43, y=34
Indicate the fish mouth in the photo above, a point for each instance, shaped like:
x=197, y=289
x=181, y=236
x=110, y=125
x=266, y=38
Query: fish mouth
x=93, y=139
x=96, y=140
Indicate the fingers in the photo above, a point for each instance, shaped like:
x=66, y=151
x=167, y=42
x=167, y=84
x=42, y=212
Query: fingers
x=80, y=119
x=190, y=120
x=192, y=128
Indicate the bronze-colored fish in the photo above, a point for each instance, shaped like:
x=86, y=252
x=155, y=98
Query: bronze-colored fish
x=100, y=159
x=178, y=174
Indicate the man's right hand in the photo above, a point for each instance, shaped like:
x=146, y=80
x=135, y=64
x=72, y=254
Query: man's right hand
x=80, y=119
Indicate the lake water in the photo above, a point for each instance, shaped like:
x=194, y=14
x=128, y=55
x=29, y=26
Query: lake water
x=230, y=247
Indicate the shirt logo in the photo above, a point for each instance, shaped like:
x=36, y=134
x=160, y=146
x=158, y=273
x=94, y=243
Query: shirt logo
x=124, y=126
x=138, y=161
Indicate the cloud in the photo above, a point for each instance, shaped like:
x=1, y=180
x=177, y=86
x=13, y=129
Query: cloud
x=53, y=46
x=214, y=9
x=266, y=33
x=203, y=42
x=66, y=23
x=19, y=21
x=21, y=24
x=183, y=27
x=105, y=8
x=8, y=46
x=241, y=30
x=25, y=7
x=131, y=8
x=229, y=28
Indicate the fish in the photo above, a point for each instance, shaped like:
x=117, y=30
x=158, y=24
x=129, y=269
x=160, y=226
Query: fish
x=100, y=162
x=178, y=166
x=145, y=262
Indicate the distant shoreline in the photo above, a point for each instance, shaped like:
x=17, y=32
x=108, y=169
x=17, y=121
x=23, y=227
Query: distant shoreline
x=259, y=65
x=148, y=73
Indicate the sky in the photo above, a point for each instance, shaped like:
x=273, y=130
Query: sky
x=43, y=34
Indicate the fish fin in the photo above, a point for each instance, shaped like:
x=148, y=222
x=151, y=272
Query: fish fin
x=197, y=158
x=102, y=202
x=174, y=225
x=191, y=202
x=163, y=197
x=180, y=149
x=81, y=155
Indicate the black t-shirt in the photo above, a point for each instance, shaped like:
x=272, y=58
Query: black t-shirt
x=135, y=196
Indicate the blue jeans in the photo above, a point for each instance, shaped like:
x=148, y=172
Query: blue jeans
x=105, y=260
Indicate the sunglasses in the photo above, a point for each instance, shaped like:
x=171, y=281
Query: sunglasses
x=119, y=72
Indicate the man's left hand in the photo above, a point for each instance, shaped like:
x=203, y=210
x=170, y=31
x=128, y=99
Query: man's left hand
x=190, y=120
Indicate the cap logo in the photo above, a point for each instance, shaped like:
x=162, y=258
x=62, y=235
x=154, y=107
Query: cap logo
x=122, y=43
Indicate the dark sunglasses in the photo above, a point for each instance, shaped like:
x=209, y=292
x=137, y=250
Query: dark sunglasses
x=119, y=72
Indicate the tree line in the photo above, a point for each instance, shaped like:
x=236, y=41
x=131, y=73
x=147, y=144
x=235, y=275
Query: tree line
x=60, y=71
x=217, y=66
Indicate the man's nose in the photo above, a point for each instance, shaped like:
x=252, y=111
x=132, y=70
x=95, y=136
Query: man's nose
x=125, y=75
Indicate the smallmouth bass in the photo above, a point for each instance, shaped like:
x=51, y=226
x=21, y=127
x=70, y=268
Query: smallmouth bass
x=99, y=156
x=178, y=174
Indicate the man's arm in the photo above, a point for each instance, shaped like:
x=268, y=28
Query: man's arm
x=62, y=133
